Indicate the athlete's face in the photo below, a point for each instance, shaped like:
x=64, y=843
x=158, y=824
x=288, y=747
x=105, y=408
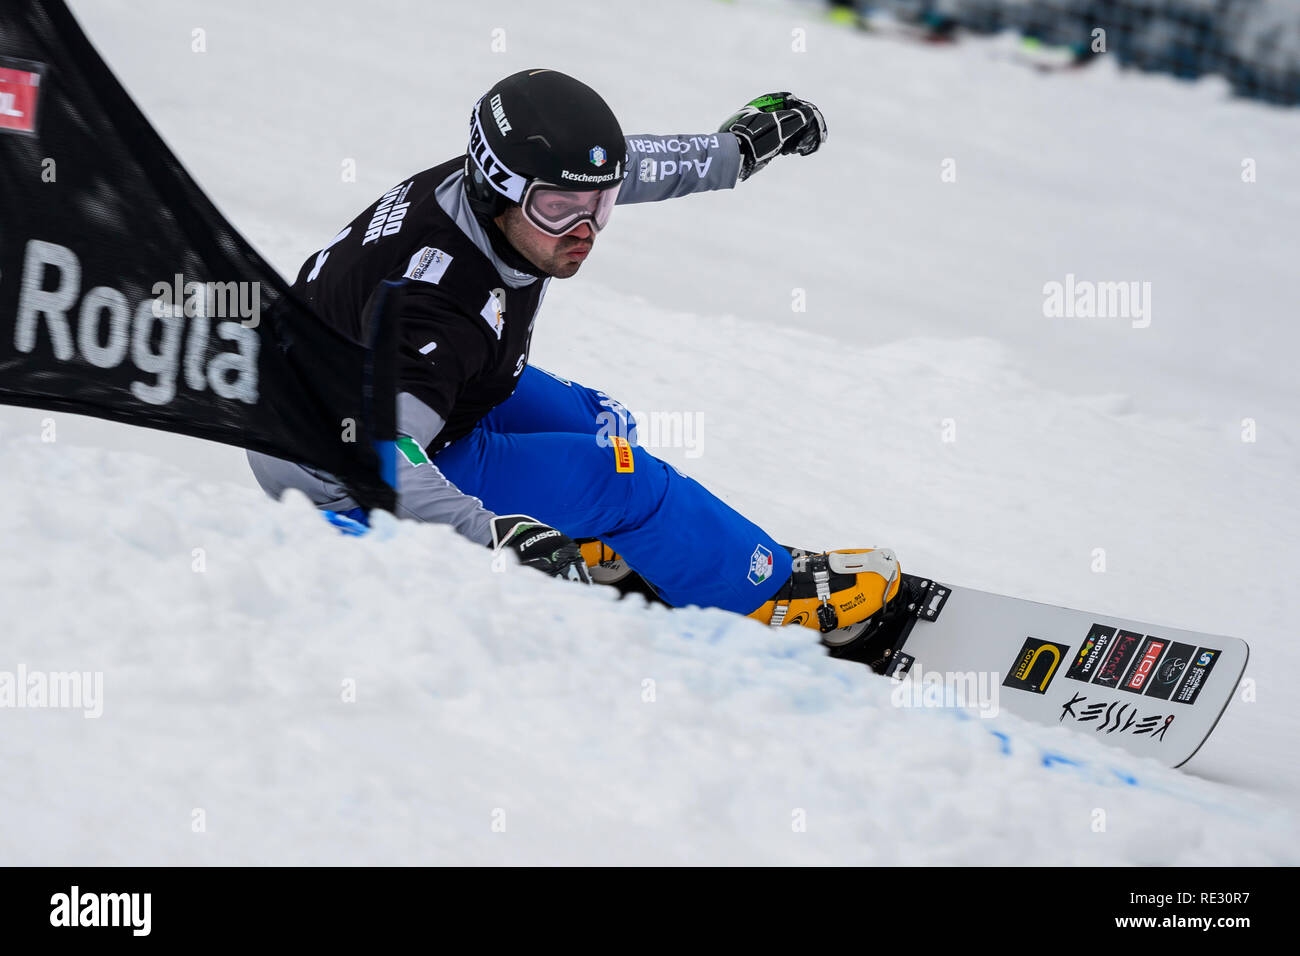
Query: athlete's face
x=560, y=256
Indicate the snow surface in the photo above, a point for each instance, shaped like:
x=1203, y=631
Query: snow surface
x=508, y=718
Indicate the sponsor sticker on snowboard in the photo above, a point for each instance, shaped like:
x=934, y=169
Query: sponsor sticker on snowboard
x=1091, y=653
x=1036, y=665
x=1155, y=691
x=1169, y=673
x=1118, y=660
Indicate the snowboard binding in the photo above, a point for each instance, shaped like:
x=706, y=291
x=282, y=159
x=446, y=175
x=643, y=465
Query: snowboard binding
x=836, y=593
x=873, y=640
x=876, y=641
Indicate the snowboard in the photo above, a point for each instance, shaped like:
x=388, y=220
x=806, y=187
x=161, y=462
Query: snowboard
x=1155, y=691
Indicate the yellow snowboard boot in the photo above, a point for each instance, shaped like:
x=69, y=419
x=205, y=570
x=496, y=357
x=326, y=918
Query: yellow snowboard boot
x=605, y=566
x=834, y=592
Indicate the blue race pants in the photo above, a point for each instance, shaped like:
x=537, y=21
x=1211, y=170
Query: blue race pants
x=544, y=452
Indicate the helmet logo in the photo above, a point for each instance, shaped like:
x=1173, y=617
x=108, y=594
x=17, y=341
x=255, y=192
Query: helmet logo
x=503, y=179
x=499, y=114
x=597, y=156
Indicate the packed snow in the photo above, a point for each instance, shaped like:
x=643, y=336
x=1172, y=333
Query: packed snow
x=273, y=692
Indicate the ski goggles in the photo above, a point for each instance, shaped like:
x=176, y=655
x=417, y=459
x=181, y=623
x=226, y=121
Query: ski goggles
x=557, y=211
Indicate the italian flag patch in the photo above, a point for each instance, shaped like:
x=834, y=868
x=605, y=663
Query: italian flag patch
x=411, y=451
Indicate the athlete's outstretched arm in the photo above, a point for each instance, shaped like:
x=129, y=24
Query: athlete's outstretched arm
x=665, y=167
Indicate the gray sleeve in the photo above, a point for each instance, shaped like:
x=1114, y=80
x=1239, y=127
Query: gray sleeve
x=665, y=167
x=423, y=492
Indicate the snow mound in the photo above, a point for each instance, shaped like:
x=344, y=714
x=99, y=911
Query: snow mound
x=273, y=692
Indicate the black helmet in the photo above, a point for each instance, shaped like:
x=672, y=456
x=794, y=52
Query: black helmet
x=541, y=127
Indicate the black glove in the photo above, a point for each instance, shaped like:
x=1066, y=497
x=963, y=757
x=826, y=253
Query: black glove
x=775, y=124
x=540, y=546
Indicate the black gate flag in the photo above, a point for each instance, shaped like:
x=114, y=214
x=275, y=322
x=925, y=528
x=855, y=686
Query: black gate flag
x=125, y=295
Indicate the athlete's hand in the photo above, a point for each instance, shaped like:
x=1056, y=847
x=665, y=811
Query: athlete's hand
x=772, y=125
x=540, y=546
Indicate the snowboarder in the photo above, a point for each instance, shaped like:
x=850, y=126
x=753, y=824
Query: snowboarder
x=512, y=456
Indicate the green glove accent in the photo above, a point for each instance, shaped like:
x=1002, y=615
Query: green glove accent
x=769, y=102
